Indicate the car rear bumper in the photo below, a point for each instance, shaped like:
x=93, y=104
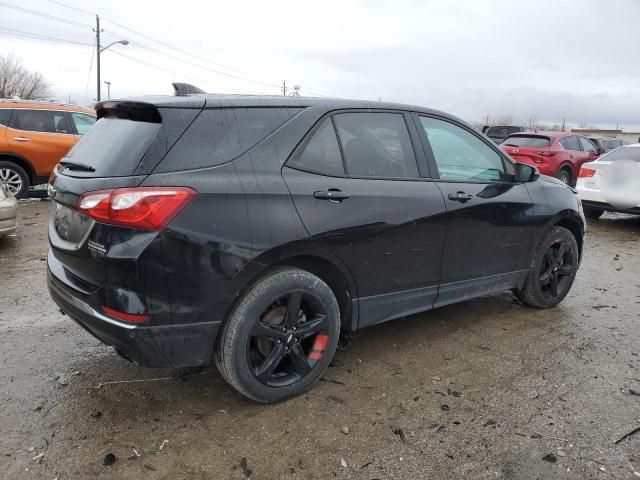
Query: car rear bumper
x=8, y=215
x=609, y=208
x=163, y=346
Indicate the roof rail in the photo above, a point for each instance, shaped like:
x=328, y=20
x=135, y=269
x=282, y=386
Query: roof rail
x=51, y=102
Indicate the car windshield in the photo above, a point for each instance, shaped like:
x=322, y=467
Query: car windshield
x=531, y=141
x=622, y=153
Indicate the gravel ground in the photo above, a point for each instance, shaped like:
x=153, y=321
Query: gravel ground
x=484, y=389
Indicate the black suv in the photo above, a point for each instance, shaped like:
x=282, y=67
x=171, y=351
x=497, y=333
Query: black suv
x=499, y=133
x=251, y=231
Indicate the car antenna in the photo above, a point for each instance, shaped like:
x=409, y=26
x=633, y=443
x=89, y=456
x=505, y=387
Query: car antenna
x=182, y=89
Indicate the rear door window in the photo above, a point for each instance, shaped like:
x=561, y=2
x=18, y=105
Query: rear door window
x=587, y=146
x=49, y=121
x=570, y=143
x=321, y=154
x=460, y=155
x=527, y=141
x=376, y=145
x=220, y=135
x=5, y=116
x=82, y=122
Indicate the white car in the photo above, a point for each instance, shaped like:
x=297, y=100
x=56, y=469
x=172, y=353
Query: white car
x=611, y=183
x=8, y=211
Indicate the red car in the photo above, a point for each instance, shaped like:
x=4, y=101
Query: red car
x=557, y=154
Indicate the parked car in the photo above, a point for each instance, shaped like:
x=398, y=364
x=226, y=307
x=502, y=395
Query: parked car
x=556, y=154
x=499, y=133
x=607, y=144
x=34, y=136
x=251, y=231
x=593, y=178
x=8, y=211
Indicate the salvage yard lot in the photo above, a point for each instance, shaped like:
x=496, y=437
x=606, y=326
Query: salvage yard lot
x=483, y=389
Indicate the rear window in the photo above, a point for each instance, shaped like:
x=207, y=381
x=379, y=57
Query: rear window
x=623, y=153
x=114, y=146
x=223, y=134
x=527, y=141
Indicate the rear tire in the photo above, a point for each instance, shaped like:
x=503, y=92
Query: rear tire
x=564, y=175
x=593, y=213
x=552, y=270
x=15, y=178
x=280, y=337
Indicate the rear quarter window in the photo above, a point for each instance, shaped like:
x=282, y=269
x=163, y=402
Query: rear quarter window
x=220, y=135
x=528, y=141
x=5, y=116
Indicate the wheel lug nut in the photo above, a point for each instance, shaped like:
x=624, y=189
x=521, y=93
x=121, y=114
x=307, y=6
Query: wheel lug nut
x=279, y=342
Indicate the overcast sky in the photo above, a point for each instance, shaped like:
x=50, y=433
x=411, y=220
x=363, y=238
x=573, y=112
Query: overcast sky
x=546, y=59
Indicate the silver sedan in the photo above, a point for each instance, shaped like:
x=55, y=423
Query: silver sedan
x=8, y=211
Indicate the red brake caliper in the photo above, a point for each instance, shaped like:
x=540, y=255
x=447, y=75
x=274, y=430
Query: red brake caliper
x=319, y=346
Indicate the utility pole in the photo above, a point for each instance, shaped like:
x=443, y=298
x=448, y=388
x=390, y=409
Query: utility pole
x=284, y=88
x=108, y=84
x=98, y=56
x=564, y=121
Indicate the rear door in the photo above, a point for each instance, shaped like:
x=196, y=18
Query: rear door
x=361, y=191
x=42, y=137
x=488, y=214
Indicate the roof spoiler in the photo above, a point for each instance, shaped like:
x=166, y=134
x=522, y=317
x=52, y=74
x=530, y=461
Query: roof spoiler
x=182, y=89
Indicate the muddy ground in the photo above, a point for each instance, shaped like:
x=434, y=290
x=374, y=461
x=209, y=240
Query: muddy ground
x=483, y=389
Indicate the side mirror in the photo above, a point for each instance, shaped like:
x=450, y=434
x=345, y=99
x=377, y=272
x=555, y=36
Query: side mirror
x=526, y=173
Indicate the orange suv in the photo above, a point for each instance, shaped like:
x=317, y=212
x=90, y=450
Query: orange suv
x=34, y=136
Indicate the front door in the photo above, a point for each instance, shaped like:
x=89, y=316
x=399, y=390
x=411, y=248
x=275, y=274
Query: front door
x=489, y=229
x=361, y=196
x=42, y=137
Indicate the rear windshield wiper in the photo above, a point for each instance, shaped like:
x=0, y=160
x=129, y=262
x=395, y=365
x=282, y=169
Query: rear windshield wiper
x=510, y=145
x=78, y=166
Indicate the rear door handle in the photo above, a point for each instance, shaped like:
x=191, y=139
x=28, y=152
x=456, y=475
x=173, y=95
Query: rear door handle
x=460, y=197
x=333, y=195
x=21, y=139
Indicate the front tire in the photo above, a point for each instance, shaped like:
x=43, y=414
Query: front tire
x=281, y=336
x=552, y=270
x=15, y=178
x=593, y=213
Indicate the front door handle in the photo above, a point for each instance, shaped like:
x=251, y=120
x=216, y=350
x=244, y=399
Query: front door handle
x=21, y=139
x=460, y=197
x=333, y=195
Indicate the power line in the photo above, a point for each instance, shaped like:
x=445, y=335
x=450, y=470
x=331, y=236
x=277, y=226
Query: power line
x=36, y=36
x=160, y=42
x=141, y=45
x=45, y=15
x=172, y=72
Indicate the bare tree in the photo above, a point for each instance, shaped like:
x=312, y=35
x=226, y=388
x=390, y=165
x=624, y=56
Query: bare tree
x=17, y=81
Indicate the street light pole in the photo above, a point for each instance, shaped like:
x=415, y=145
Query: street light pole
x=99, y=50
x=98, y=55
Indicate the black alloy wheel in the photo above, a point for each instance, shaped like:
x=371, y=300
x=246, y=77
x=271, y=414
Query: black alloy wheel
x=552, y=270
x=556, y=270
x=280, y=337
x=288, y=340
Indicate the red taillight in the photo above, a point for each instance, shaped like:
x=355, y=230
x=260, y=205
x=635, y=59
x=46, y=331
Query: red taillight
x=546, y=154
x=125, y=317
x=147, y=208
x=586, y=173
